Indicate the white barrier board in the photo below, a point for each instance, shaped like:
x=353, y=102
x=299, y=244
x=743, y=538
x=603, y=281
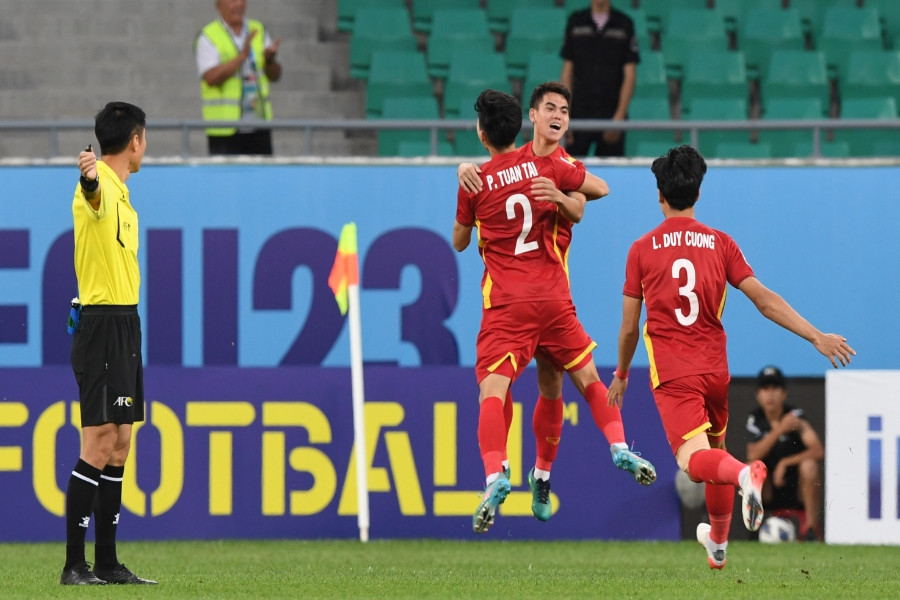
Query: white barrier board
x=862, y=419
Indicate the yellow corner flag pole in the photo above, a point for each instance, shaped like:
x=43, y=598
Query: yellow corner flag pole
x=344, y=282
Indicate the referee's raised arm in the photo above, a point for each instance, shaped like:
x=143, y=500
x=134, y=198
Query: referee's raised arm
x=90, y=179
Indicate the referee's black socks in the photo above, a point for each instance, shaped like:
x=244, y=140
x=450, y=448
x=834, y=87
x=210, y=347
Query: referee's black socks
x=106, y=510
x=83, y=486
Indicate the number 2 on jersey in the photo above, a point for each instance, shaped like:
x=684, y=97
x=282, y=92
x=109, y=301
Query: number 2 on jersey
x=687, y=290
x=521, y=245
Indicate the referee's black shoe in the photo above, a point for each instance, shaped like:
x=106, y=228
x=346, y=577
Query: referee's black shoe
x=121, y=574
x=80, y=574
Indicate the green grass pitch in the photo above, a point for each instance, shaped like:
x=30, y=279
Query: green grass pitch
x=482, y=568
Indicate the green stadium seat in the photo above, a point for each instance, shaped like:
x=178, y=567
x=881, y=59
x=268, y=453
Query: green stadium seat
x=889, y=13
x=734, y=12
x=796, y=74
x=827, y=149
x=532, y=30
x=542, y=67
x=865, y=142
x=651, y=149
x=499, y=11
x=691, y=30
x=812, y=13
x=741, y=150
x=456, y=29
x=648, y=109
x=845, y=30
x=423, y=11
x=470, y=73
x=784, y=141
x=395, y=74
x=378, y=29
x=765, y=30
x=872, y=73
x=658, y=12
x=407, y=107
x=886, y=148
x=714, y=74
x=651, y=80
x=712, y=109
x=346, y=10
x=420, y=148
x=641, y=28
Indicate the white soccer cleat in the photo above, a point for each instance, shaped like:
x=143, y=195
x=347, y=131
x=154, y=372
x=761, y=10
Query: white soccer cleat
x=716, y=558
x=751, y=490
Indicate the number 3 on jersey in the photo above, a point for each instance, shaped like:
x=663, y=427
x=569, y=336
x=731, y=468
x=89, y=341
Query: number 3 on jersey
x=687, y=290
x=521, y=245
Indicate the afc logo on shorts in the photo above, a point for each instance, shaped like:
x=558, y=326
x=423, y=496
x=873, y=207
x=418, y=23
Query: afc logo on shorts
x=123, y=401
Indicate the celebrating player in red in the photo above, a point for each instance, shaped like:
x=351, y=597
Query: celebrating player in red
x=681, y=270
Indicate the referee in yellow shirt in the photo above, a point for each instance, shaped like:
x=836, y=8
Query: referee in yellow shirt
x=106, y=347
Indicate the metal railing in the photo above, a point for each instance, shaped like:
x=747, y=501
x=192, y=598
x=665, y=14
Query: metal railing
x=692, y=128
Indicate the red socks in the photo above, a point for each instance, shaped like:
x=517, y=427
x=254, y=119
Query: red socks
x=608, y=418
x=492, y=435
x=715, y=466
x=719, y=504
x=547, y=426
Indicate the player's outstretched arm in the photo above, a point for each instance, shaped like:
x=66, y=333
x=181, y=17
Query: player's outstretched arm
x=775, y=308
x=629, y=332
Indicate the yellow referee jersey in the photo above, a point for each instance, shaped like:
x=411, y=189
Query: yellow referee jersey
x=106, y=244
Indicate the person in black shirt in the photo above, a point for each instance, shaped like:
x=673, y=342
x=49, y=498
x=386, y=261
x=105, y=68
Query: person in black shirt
x=780, y=435
x=600, y=56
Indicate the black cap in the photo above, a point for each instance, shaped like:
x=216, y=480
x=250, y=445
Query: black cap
x=770, y=376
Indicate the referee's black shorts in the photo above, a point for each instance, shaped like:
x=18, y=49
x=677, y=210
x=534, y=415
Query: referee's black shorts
x=106, y=359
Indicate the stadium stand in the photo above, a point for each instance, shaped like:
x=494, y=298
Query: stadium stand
x=658, y=12
x=378, y=29
x=346, y=10
x=846, y=29
x=869, y=142
x=532, y=30
x=64, y=66
x=719, y=74
x=812, y=12
x=784, y=141
x=500, y=11
x=691, y=30
x=471, y=72
x=396, y=73
x=60, y=67
x=542, y=67
x=743, y=150
x=889, y=14
x=712, y=109
x=763, y=30
x=639, y=142
x=456, y=29
x=423, y=11
x=796, y=73
x=872, y=73
x=651, y=80
x=400, y=142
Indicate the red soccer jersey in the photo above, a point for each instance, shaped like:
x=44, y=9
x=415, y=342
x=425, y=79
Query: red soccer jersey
x=563, y=234
x=515, y=232
x=681, y=270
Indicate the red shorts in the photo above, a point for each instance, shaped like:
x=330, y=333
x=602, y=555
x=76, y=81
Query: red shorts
x=510, y=335
x=692, y=405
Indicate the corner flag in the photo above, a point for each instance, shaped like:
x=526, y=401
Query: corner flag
x=345, y=271
x=344, y=282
